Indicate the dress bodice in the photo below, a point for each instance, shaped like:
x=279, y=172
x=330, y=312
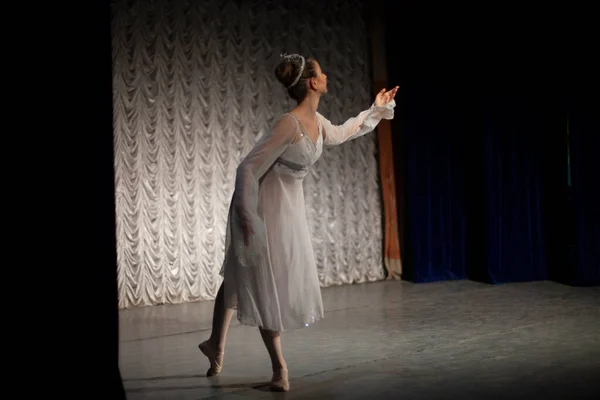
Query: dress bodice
x=303, y=153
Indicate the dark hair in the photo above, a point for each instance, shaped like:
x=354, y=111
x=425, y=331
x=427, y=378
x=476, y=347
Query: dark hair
x=287, y=70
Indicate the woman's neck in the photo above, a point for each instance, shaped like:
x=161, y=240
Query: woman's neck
x=309, y=105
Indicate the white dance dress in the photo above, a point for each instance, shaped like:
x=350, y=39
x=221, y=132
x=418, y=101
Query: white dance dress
x=272, y=281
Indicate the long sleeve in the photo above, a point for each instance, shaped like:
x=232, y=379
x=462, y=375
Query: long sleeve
x=355, y=127
x=244, y=203
x=259, y=160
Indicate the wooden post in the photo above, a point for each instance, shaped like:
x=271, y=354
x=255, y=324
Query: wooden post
x=391, y=251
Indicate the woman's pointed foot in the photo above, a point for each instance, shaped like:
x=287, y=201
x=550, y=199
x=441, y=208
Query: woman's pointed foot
x=280, y=382
x=214, y=356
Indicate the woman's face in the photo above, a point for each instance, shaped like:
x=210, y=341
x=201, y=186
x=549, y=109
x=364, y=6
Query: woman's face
x=319, y=83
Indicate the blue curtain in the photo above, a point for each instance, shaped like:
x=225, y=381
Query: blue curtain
x=480, y=145
x=485, y=186
x=433, y=170
x=584, y=127
x=513, y=186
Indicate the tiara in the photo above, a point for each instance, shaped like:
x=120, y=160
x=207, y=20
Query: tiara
x=303, y=62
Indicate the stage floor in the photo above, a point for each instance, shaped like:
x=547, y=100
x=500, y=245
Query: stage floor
x=385, y=340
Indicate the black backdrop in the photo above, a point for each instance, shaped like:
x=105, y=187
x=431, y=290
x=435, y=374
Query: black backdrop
x=487, y=95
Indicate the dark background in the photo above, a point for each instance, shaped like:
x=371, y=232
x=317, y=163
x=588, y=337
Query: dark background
x=488, y=94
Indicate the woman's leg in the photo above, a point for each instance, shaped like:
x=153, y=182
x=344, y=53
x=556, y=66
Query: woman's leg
x=272, y=341
x=221, y=320
x=214, y=347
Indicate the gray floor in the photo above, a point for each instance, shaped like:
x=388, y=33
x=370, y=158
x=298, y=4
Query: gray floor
x=395, y=340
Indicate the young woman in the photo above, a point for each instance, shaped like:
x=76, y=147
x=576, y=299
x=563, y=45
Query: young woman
x=269, y=270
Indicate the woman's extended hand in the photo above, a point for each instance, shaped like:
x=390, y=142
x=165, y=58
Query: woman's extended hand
x=384, y=97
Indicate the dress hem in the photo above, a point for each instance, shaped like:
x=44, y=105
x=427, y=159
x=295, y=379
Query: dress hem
x=251, y=322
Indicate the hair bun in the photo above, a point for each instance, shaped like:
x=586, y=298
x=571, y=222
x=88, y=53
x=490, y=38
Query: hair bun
x=287, y=69
x=292, y=72
x=290, y=76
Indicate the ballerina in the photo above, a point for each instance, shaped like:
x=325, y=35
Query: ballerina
x=269, y=271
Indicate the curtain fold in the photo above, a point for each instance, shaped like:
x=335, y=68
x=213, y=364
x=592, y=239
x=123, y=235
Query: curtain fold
x=392, y=260
x=513, y=150
x=584, y=128
x=434, y=185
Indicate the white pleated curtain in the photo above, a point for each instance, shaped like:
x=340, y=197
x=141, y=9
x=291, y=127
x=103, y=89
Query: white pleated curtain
x=193, y=91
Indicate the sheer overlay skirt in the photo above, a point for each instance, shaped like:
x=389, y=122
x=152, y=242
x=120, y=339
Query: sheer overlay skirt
x=280, y=290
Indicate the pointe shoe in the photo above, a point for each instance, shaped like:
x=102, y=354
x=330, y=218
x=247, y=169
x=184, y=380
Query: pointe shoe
x=280, y=382
x=214, y=357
